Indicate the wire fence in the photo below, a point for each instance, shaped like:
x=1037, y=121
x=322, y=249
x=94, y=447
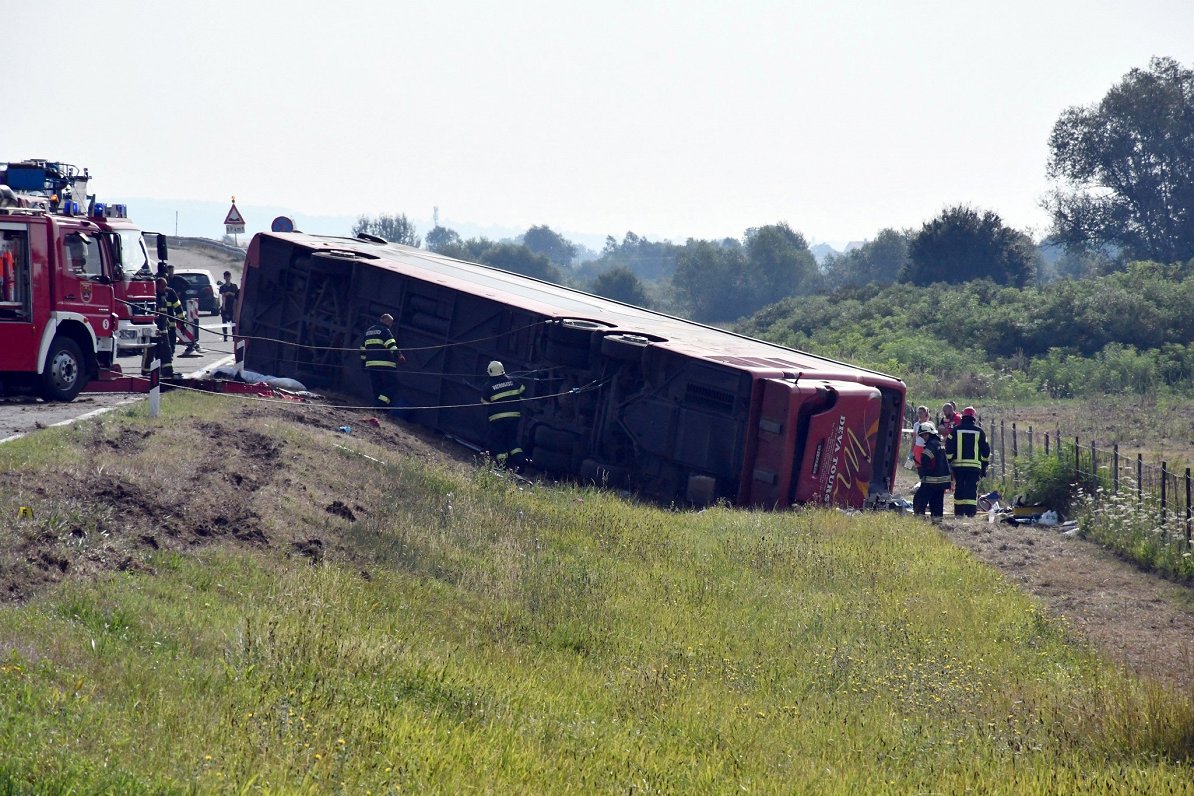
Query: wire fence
x=1158, y=489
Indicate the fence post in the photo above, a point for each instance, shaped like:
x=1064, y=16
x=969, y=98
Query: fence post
x=1115, y=469
x=1094, y=464
x=1030, y=442
x=1188, y=517
x=1046, y=443
x=1077, y=459
x=1015, y=447
x=1002, y=457
x=1140, y=479
x=1164, y=489
x=1057, y=439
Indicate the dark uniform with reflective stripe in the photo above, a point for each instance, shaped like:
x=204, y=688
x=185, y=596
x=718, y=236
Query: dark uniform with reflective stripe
x=934, y=478
x=969, y=454
x=167, y=309
x=503, y=395
x=380, y=357
x=170, y=315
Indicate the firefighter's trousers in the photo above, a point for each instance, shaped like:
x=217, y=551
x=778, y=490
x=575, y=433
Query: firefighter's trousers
x=966, y=491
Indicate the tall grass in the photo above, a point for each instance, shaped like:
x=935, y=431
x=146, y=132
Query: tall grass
x=469, y=633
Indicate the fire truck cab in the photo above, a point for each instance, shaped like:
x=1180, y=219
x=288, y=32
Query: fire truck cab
x=66, y=285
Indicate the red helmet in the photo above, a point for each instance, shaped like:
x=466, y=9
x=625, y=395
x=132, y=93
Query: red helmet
x=969, y=412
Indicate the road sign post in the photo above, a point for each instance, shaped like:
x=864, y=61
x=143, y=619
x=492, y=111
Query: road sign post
x=234, y=222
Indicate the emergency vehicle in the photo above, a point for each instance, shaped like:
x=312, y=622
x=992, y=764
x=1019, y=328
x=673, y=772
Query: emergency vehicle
x=40, y=182
x=74, y=278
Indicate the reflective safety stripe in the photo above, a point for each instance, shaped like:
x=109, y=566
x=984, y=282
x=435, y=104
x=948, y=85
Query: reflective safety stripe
x=967, y=452
x=503, y=415
x=958, y=502
x=501, y=457
x=936, y=479
x=507, y=394
x=380, y=363
x=385, y=399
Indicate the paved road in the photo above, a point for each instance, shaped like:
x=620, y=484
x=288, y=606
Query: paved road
x=20, y=415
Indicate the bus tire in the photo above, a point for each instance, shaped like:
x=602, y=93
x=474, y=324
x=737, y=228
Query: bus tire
x=555, y=439
x=626, y=348
x=551, y=461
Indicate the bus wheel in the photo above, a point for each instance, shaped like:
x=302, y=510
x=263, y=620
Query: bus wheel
x=64, y=376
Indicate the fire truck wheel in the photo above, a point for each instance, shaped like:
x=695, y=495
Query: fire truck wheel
x=64, y=376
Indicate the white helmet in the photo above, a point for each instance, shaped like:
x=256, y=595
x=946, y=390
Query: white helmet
x=496, y=369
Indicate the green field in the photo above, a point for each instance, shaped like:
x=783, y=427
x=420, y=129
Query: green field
x=464, y=633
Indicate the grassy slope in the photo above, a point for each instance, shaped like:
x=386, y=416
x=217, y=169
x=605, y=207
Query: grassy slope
x=464, y=632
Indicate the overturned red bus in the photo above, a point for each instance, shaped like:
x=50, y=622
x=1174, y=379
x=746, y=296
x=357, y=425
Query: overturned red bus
x=671, y=409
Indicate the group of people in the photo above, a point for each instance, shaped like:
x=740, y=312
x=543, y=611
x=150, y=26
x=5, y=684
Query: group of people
x=380, y=357
x=952, y=453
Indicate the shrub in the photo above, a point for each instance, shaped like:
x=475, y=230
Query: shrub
x=1050, y=481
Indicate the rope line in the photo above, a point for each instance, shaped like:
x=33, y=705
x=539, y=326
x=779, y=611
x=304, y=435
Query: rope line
x=591, y=386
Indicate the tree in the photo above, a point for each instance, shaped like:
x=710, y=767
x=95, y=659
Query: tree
x=518, y=259
x=708, y=281
x=1125, y=167
x=650, y=262
x=395, y=229
x=542, y=240
x=441, y=239
x=620, y=284
x=963, y=244
x=779, y=264
x=878, y=261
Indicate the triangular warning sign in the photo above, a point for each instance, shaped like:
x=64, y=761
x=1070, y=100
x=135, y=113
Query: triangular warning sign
x=234, y=217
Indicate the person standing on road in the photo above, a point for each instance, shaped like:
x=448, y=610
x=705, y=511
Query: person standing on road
x=380, y=358
x=179, y=285
x=229, y=291
x=167, y=307
x=969, y=455
x=933, y=469
x=503, y=394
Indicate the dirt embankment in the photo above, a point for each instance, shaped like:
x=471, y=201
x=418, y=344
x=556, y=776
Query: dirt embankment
x=235, y=480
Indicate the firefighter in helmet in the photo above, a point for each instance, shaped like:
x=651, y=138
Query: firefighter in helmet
x=380, y=358
x=167, y=312
x=933, y=469
x=502, y=395
x=969, y=455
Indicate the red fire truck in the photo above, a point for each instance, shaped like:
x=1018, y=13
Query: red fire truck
x=71, y=276
x=45, y=184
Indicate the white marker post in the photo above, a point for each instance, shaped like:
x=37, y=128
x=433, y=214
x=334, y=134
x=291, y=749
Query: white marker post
x=239, y=355
x=155, y=386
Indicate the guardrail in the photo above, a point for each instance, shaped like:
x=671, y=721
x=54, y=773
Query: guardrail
x=204, y=243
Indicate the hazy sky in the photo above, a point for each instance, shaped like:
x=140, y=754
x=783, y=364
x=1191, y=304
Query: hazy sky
x=671, y=119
